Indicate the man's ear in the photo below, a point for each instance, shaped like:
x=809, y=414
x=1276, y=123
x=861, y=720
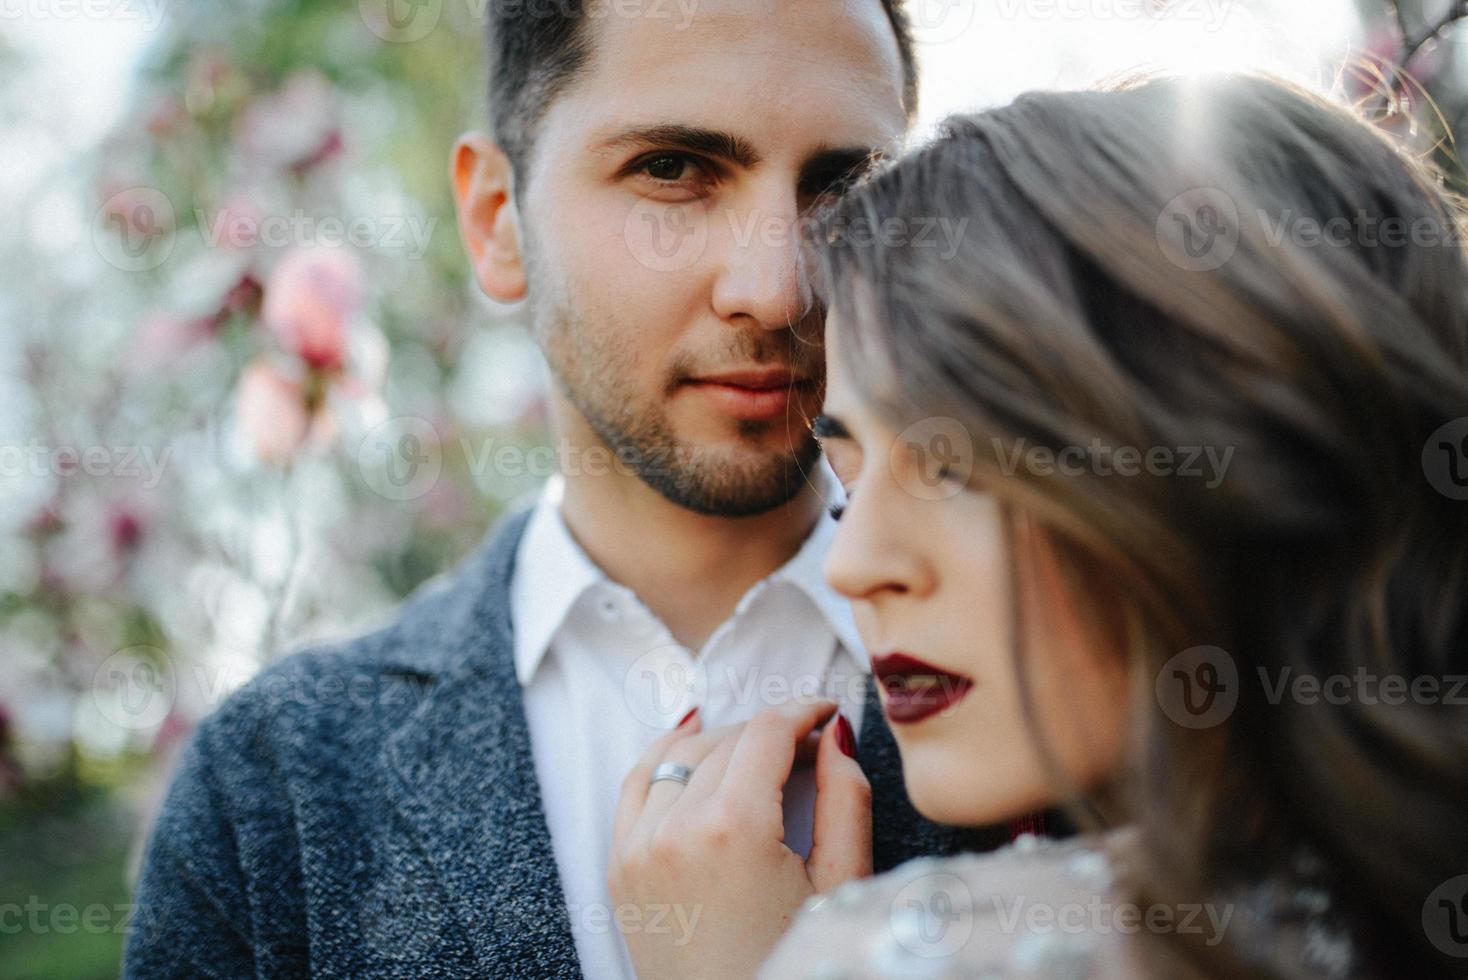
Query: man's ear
x=488, y=222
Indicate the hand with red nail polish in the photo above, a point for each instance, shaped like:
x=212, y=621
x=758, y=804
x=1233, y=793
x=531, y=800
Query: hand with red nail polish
x=845, y=740
x=715, y=844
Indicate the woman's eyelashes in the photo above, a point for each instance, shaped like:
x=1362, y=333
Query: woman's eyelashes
x=937, y=465
x=837, y=508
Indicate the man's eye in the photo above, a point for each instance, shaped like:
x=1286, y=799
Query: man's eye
x=669, y=167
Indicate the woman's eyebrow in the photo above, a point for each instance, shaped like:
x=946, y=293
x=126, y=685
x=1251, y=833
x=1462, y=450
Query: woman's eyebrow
x=825, y=426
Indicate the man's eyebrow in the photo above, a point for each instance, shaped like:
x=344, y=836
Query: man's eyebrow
x=724, y=145
x=825, y=426
x=710, y=142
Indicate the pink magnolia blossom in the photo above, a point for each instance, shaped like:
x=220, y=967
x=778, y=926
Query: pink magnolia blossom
x=174, y=729
x=329, y=148
x=46, y=521
x=161, y=339
x=237, y=222
x=211, y=78
x=273, y=413
x=125, y=525
x=296, y=127
x=137, y=209
x=446, y=507
x=166, y=117
x=243, y=297
x=310, y=297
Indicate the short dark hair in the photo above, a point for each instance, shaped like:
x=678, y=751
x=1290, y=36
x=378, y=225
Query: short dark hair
x=535, y=48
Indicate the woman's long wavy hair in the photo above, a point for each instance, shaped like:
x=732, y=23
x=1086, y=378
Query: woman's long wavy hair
x=1239, y=264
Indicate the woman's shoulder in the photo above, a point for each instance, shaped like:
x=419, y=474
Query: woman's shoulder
x=1036, y=908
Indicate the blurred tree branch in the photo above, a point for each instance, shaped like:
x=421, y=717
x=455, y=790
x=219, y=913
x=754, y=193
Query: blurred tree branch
x=1412, y=44
x=1419, y=82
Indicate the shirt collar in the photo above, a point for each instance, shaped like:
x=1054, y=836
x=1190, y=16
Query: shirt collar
x=807, y=572
x=553, y=572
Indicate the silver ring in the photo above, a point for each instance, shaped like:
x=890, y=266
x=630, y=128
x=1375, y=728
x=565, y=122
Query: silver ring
x=676, y=772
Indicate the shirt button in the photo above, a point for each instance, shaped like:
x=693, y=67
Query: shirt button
x=608, y=608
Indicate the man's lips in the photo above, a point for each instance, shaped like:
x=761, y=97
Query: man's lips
x=753, y=394
x=756, y=378
x=915, y=689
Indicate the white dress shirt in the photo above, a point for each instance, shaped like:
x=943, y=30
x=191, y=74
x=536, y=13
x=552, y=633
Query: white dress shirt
x=603, y=678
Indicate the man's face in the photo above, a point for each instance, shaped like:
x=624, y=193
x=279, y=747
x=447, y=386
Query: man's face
x=659, y=222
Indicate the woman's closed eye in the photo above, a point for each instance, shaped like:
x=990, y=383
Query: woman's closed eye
x=842, y=453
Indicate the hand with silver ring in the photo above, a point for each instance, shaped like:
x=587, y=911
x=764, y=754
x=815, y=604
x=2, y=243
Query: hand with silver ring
x=672, y=771
x=699, y=838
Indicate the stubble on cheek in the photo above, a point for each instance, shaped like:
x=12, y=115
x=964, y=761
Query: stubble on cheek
x=611, y=369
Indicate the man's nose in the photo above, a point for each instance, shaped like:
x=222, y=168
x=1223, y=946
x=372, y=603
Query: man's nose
x=760, y=278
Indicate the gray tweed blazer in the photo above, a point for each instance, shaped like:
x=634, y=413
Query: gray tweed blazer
x=370, y=809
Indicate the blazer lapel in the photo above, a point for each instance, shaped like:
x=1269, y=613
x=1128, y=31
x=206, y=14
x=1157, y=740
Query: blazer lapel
x=463, y=778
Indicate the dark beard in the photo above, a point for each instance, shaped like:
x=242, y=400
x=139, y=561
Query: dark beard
x=693, y=477
x=696, y=478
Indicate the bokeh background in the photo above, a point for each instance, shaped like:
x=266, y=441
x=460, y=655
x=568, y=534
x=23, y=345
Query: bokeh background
x=249, y=397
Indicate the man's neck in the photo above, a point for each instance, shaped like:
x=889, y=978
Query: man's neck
x=689, y=569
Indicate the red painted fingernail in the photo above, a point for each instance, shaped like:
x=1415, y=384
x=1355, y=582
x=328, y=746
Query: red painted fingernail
x=688, y=717
x=845, y=740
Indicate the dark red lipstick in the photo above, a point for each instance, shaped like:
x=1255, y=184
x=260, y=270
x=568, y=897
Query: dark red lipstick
x=916, y=689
